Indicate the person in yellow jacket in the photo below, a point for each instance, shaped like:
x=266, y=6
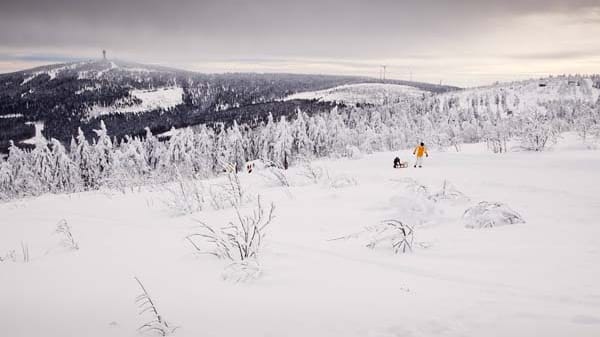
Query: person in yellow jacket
x=419, y=151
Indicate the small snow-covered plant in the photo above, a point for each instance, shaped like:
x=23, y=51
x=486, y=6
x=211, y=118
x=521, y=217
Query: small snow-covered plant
x=67, y=241
x=239, y=240
x=235, y=189
x=448, y=192
x=276, y=176
x=186, y=196
x=157, y=323
x=313, y=173
x=490, y=214
x=10, y=256
x=25, y=251
x=230, y=193
x=413, y=186
x=392, y=233
x=340, y=181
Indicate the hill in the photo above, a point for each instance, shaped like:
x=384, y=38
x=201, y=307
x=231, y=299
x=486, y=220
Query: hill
x=131, y=96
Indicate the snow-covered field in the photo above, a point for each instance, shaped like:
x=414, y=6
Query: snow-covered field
x=161, y=98
x=539, y=278
x=371, y=93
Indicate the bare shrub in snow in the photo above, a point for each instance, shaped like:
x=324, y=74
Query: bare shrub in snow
x=448, y=192
x=230, y=193
x=25, y=251
x=352, y=152
x=67, y=241
x=157, y=323
x=185, y=196
x=276, y=176
x=490, y=214
x=313, y=173
x=10, y=256
x=239, y=240
x=390, y=233
x=340, y=181
x=413, y=186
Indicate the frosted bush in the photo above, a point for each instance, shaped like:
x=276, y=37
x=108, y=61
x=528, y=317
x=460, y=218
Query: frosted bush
x=185, y=196
x=67, y=240
x=276, y=176
x=340, y=181
x=412, y=186
x=353, y=152
x=230, y=193
x=312, y=173
x=448, y=192
x=391, y=234
x=241, y=239
x=10, y=256
x=490, y=214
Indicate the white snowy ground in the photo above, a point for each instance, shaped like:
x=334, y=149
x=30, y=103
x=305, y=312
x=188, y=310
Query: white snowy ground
x=372, y=93
x=160, y=98
x=540, y=278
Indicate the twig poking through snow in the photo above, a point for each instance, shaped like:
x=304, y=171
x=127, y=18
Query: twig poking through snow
x=157, y=323
x=399, y=235
x=25, y=251
x=67, y=241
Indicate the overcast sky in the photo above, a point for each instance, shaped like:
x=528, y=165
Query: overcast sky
x=461, y=42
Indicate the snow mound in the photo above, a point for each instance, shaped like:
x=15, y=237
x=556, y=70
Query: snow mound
x=363, y=93
x=161, y=98
x=412, y=186
x=449, y=192
x=490, y=214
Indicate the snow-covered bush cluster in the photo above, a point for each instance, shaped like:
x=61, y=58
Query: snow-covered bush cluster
x=490, y=214
x=240, y=241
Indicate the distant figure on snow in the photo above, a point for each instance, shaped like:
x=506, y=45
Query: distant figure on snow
x=419, y=151
x=399, y=164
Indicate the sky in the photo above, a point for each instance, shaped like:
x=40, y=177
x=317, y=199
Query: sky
x=461, y=42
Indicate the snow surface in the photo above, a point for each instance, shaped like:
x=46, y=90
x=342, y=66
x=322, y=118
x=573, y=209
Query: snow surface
x=11, y=116
x=164, y=98
x=539, y=278
x=371, y=93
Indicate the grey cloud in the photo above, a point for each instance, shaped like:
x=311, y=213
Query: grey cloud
x=336, y=31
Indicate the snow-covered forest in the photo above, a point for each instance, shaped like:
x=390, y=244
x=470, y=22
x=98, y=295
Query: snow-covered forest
x=494, y=116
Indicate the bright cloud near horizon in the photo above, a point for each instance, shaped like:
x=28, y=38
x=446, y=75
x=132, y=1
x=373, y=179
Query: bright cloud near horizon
x=460, y=42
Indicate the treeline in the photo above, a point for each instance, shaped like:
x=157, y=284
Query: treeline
x=205, y=151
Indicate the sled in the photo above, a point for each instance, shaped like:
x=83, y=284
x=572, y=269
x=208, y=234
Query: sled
x=403, y=164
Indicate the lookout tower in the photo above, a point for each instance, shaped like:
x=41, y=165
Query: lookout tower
x=104, y=55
